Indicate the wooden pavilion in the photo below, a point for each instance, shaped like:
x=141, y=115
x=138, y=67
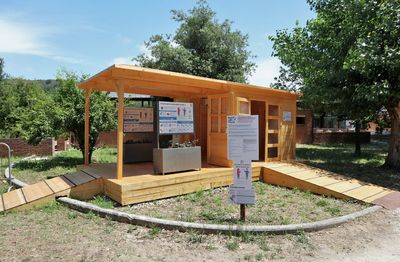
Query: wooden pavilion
x=212, y=100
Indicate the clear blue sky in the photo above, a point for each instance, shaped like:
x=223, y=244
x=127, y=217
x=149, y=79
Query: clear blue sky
x=37, y=37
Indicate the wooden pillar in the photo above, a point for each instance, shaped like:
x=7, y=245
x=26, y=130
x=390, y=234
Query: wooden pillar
x=87, y=125
x=120, y=130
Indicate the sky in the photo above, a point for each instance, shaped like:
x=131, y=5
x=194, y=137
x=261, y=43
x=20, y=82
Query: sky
x=38, y=37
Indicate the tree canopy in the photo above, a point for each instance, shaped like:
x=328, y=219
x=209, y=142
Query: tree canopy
x=201, y=46
x=2, y=74
x=71, y=102
x=346, y=60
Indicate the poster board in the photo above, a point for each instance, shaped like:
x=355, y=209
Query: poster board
x=175, y=118
x=138, y=119
x=242, y=148
x=243, y=138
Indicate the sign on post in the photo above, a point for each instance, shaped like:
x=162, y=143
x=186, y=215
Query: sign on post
x=242, y=148
x=175, y=118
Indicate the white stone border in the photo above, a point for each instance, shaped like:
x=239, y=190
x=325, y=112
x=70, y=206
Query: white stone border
x=212, y=228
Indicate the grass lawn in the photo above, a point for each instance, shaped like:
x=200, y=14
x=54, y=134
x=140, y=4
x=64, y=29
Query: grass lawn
x=340, y=158
x=65, y=162
x=274, y=206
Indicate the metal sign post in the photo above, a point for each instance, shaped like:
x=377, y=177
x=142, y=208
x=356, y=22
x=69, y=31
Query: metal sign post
x=242, y=148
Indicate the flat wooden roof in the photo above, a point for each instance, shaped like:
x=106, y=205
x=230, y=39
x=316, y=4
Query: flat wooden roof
x=140, y=80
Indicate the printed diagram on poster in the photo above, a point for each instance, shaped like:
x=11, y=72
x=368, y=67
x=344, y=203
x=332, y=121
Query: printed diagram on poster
x=175, y=118
x=138, y=119
x=243, y=138
x=287, y=116
x=242, y=148
x=242, y=192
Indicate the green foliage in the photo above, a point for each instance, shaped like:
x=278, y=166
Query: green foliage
x=102, y=201
x=26, y=111
x=2, y=74
x=71, y=100
x=232, y=244
x=346, y=60
x=201, y=46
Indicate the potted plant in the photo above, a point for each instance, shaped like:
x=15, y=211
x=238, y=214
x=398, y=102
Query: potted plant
x=138, y=151
x=178, y=157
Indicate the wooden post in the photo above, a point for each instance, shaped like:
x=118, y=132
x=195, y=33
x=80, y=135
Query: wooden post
x=87, y=126
x=242, y=212
x=120, y=130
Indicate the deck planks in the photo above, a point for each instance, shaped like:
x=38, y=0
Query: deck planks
x=322, y=182
x=36, y=191
x=13, y=199
x=141, y=185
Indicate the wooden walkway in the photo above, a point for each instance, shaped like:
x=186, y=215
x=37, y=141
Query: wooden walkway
x=140, y=184
x=78, y=185
x=295, y=175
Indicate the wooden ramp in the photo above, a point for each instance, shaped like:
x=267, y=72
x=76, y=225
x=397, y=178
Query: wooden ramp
x=78, y=185
x=295, y=175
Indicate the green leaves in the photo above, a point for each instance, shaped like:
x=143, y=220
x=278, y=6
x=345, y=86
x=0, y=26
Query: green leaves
x=71, y=103
x=201, y=46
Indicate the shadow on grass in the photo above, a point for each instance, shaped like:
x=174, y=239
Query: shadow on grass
x=341, y=159
x=53, y=162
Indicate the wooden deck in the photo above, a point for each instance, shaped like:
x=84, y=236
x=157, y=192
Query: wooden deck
x=140, y=184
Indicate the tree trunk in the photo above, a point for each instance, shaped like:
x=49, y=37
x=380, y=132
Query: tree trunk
x=321, y=120
x=357, y=141
x=393, y=157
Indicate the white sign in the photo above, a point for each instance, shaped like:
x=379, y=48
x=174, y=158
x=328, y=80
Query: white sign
x=242, y=196
x=243, y=138
x=175, y=118
x=242, y=192
x=287, y=116
x=138, y=119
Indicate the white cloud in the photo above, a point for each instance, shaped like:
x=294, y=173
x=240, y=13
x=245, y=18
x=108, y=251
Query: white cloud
x=121, y=60
x=29, y=39
x=21, y=38
x=266, y=71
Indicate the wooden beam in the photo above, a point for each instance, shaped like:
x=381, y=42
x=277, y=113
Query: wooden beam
x=120, y=131
x=87, y=125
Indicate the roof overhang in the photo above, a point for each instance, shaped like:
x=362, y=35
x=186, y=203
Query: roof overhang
x=139, y=80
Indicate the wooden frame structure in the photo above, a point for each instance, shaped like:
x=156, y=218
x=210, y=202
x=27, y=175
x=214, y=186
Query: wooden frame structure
x=213, y=101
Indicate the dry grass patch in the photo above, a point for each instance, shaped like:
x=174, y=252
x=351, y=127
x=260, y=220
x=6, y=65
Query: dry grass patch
x=274, y=206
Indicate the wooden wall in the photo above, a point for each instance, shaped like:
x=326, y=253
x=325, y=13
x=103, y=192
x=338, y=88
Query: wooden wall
x=279, y=135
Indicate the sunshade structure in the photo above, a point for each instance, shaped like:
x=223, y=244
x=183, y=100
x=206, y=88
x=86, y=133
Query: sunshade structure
x=213, y=100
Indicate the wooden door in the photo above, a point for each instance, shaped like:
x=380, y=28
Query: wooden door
x=258, y=108
x=218, y=106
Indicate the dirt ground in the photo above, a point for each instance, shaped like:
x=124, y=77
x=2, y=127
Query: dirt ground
x=57, y=233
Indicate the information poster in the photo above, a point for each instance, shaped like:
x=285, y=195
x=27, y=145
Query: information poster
x=243, y=138
x=242, y=148
x=138, y=119
x=175, y=118
x=242, y=191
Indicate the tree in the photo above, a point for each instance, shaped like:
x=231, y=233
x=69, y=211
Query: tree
x=2, y=74
x=201, y=46
x=71, y=102
x=25, y=111
x=321, y=57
